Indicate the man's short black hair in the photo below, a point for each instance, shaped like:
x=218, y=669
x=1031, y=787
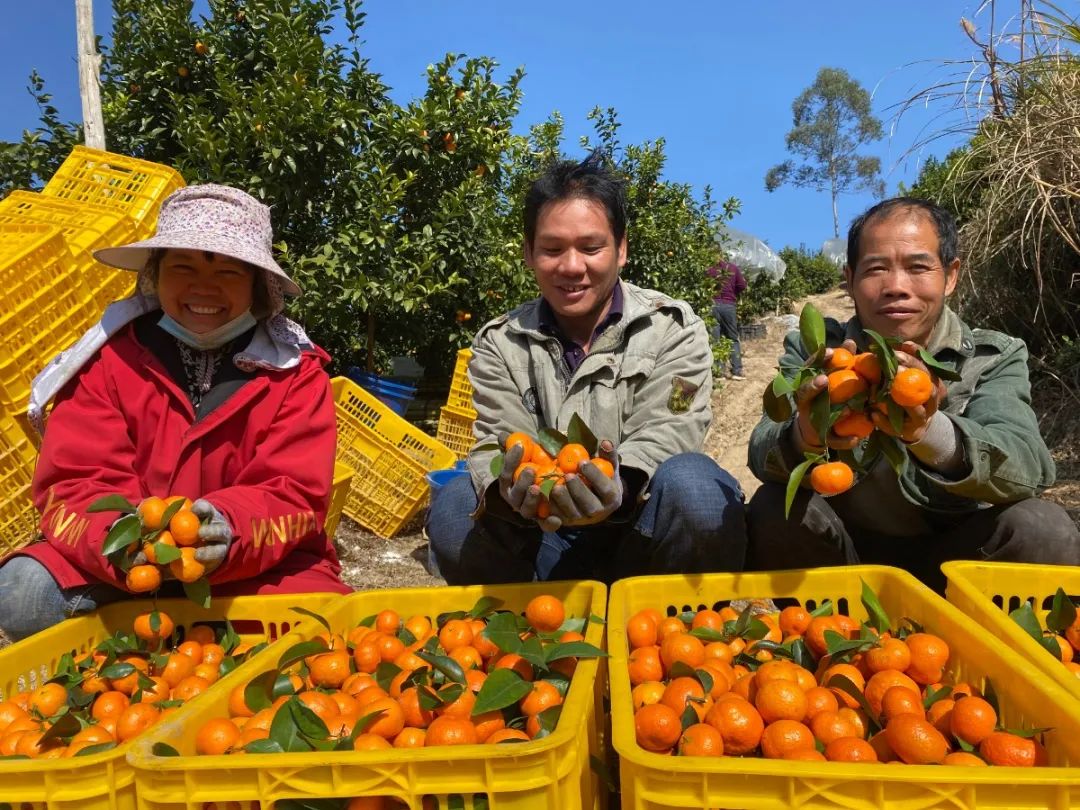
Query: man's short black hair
x=944, y=222
x=591, y=179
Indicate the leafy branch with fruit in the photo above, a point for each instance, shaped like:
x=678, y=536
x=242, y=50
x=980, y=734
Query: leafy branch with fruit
x=863, y=389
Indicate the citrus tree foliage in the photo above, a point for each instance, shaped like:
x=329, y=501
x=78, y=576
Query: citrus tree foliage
x=831, y=121
x=401, y=222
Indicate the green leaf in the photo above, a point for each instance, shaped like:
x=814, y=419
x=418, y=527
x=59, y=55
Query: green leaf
x=881, y=347
x=547, y=486
x=484, y=606
x=123, y=533
x=385, y=673
x=231, y=639
x=112, y=503
x=1062, y=614
x=532, y=650
x=444, y=664
x=160, y=749
x=990, y=696
x=689, y=717
x=548, y=719
x=824, y=609
x=1028, y=733
x=845, y=685
x=794, y=480
x=1029, y=623
x=302, y=650
x=258, y=694
x=707, y=634
x=572, y=649
x=940, y=370
x=838, y=646
x=502, y=688
x=935, y=695
x=811, y=328
x=171, y=510
x=496, y=465
x=777, y=406
x=502, y=631
x=879, y=619
x=165, y=554
x=893, y=450
x=309, y=723
x=264, y=746
x=101, y=748
x=965, y=745
x=578, y=432
x=198, y=592
x=66, y=726
x=896, y=416
x=118, y=670
x=285, y=731
x=820, y=415
x=551, y=440
x=305, y=612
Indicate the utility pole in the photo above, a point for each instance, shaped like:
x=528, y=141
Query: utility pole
x=89, y=81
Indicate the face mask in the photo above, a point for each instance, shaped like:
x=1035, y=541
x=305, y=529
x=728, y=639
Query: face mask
x=215, y=338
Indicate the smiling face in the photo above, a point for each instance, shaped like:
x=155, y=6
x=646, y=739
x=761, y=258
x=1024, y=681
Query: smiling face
x=576, y=260
x=202, y=291
x=899, y=283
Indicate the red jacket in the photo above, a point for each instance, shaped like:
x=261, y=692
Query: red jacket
x=264, y=458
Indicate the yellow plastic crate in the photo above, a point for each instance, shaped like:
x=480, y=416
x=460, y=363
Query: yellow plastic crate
x=85, y=228
x=343, y=475
x=545, y=774
x=106, y=781
x=461, y=390
x=390, y=457
x=651, y=781
x=124, y=184
x=988, y=592
x=18, y=517
x=456, y=429
x=45, y=309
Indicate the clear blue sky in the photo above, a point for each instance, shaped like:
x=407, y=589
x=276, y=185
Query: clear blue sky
x=715, y=79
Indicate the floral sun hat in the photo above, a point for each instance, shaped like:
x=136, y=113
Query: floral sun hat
x=212, y=218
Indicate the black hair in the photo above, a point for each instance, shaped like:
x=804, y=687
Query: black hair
x=591, y=179
x=944, y=222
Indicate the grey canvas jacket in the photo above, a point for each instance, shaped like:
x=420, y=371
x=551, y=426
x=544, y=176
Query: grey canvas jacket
x=990, y=405
x=646, y=383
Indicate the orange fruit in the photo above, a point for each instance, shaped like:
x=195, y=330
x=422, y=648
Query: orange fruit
x=901, y=700
x=237, y=706
x=850, y=749
x=507, y=734
x=852, y=674
x=160, y=691
x=184, y=527
x=915, y=740
x=518, y=664
x=143, y=627
x=524, y=440
x=882, y=682
x=190, y=687
x=831, y=478
x=783, y=737
x=853, y=423
x=388, y=621
x=603, y=465
x=684, y=691
x=451, y=731
x=392, y=721
x=543, y=696
x=940, y=714
x=176, y=668
x=701, y=740
x=645, y=665
x=843, y=385
x=827, y=726
x=541, y=456
x=461, y=706
x=48, y=698
x=129, y=683
x=216, y=736
x=891, y=653
x=682, y=647
x=647, y=693
x=780, y=700
x=192, y=649
x=370, y=742
x=9, y=713
x=150, y=511
x=963, y=759
x=143, y=578
x=330, y=669
x=570, y=457
x=929, y=654
x=135, y=719
x=456, y=633
x=324, y=706
x=738, y=722
x=539, y=471
x=657, y=727
x=670, y=626
x=820, y=699
x=545, y=613
x=410, y=738
x=804, y=755
x=866, y=365
x=972, y=720
x=709, y=619
x=415, y=715
x=794, y=620
x=641, y=630
x=187, y=568
x=911, y=387
x=839, y=359
x=149, y=548
x=487, y=724
x=1003, y=748
x=815, y=633
x=202, y=633
x=109, y=704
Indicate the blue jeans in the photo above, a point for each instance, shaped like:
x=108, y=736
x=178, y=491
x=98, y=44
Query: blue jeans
x=727, y=325
x=31, y=600
x=692, y=522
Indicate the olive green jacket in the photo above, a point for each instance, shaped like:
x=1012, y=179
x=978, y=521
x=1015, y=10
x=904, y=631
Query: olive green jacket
x=646, y=383
x=990, y=405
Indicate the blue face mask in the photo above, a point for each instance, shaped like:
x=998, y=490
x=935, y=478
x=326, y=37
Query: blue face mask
x=215, y=338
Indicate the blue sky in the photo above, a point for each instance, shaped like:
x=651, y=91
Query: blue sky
x=715, y=79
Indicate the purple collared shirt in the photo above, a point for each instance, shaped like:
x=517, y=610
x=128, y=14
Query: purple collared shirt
x=733, y=284
x=573, y=353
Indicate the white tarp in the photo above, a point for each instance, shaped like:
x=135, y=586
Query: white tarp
x=835, y=250
x=751, y=254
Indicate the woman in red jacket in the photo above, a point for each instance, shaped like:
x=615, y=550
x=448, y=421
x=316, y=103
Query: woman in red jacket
x=195, y=386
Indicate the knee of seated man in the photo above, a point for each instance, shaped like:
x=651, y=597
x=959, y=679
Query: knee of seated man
x=22, y=610
x=1043, y=530
x=453, y=503
x=695, y=475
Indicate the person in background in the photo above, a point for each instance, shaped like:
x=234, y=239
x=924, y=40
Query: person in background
x=199, y=386
x=724, y=310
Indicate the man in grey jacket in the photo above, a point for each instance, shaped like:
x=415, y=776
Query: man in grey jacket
x=976, y=461
x=635, y=365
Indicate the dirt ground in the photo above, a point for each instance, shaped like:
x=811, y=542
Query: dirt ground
x=370, y=562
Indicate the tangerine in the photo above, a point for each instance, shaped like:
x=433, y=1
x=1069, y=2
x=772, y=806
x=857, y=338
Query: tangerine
x=143, y=626
x=867, y=366
x=911, y=387
x=570, y=457
x=135, y=719
x=845, y=384
x=143, y=578
x=451, y=731
x=972, y=720
x=187, y=568
x=545, y=613
x=1003, y=748
x=657, y=727
x=738, y=722
x=184, y=527
x=701, y=740
x=783, y=737
x=840, y=358
x=831, y=478
x=916, y=741
x=216, y=736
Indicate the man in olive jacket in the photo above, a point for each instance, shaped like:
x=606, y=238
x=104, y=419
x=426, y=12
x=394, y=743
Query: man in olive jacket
x=976, y=461
x=635, y=366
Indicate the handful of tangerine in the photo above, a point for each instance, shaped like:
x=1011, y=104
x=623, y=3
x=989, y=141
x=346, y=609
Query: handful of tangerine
x=545, y=468
x=181, y=533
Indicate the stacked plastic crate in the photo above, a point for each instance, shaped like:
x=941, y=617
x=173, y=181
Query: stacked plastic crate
x=457, y=416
